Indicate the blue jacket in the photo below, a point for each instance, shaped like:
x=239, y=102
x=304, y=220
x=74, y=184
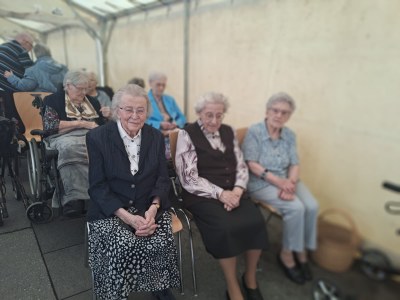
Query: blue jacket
x=43, y=76
x=172, y=109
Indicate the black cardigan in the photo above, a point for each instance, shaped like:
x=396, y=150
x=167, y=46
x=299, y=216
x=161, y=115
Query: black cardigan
x=57, y=102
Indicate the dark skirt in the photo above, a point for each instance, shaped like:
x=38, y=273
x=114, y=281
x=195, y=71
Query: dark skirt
x=228, y=234
x=122, y=262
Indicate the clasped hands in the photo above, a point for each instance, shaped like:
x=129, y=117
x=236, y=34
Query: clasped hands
x=231, y=199
x=287, y=189
x=144, y=226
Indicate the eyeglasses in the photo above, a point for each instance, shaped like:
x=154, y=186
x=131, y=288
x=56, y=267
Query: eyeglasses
x=78, y=88
x=283, y=112
x=130, y=110
x=210, y=116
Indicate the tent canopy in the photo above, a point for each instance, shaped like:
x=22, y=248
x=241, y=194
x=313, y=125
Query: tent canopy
x=45, y=16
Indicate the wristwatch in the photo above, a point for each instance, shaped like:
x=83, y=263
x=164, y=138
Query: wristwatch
x=156, y=204
x=264, y=174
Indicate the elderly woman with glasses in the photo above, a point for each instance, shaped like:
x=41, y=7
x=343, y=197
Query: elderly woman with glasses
x=213, y=175
x=270, y=151
x=131, y=246
x=68, y=115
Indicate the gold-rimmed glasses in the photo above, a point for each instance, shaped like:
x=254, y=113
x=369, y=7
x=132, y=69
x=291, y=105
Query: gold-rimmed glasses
x=140, y=111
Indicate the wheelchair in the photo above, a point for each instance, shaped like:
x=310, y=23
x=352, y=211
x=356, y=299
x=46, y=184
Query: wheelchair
x=44, y=180
x=11, y=146
x=41, y=162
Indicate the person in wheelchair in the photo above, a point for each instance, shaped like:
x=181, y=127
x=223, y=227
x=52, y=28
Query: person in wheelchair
x=67, y=117
x=213, y=175
x=131, y=247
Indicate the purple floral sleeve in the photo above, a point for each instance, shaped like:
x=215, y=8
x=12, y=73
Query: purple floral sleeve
x=51, y=121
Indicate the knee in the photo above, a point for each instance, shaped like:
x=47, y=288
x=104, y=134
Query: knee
x=312, y=208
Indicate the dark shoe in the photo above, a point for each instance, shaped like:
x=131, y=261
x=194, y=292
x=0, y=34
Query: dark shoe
x=251, y=294
x=305, y=270
x=293, y=273
x=74, y=209
x=164, y=295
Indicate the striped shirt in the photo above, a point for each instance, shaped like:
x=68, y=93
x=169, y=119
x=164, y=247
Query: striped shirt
x=15, y=58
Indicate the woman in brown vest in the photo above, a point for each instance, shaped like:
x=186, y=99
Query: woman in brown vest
x=214, y=175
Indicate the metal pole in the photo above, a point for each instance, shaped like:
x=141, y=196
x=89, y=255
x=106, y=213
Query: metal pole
x=100, y=60
x=186, y=57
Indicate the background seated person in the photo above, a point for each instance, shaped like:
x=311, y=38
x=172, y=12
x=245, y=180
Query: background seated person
x=68, y=115
x=270, y=151
x=214, y=175
x=44, y=76
x=14, y=56
x=165, y=115
x=127, y=173
x=138, y=81
x=99, y=95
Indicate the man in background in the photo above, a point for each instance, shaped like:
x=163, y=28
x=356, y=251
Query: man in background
x=14, y=57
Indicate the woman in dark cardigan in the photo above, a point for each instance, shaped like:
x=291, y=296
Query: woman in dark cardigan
x=68, y=115
x=214, y=176
x=131, y=246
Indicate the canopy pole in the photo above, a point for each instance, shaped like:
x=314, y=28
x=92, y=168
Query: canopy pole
x=186, y=36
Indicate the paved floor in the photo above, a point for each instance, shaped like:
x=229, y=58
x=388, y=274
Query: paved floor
x=47, y=262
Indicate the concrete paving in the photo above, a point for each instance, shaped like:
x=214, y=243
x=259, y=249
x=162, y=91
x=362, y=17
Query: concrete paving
x=47, y=262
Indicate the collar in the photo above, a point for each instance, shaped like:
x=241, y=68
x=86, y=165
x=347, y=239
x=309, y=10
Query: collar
x=283, y=135
x=211, y=135
x=124, y=134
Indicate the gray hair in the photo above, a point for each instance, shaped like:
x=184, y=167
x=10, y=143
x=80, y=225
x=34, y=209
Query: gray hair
x=213, y=98
x=281, y=97
x=92, y=75
x=41, y=50
x=75, y=77
x=156, y=76
x=132, y=90
x=138, y=81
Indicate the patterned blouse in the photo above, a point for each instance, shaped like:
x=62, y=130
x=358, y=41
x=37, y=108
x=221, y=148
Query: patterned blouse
x=275, y=155
x=186, y=165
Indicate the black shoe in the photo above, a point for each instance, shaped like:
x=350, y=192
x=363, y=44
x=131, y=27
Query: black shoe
x=305, y=270
x=292, y=273
x=74, y=209
x=164, y=295
x=251, y=294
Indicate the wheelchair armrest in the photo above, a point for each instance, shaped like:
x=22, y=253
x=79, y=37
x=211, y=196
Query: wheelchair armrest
x=38, y=132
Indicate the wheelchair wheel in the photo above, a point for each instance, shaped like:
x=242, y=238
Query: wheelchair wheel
x=374, y=263
x=34, y=169
x=39, y=213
